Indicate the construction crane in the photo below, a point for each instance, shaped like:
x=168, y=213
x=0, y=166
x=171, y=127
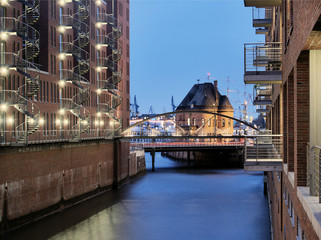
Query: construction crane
x=134, y=108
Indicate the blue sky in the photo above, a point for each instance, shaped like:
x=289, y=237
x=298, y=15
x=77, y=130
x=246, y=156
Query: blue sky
x=175, y=42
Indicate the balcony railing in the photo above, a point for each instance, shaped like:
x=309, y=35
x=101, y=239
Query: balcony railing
x=313, y=170
x=263, y=152
x=262, y=17
x=263, y=63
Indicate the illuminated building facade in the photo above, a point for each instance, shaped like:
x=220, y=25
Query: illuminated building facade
x=64, y=70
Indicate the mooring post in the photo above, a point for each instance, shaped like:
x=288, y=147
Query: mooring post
x=153, y=160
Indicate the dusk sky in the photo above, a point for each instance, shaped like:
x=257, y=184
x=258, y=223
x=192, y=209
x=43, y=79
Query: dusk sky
x=175, y=42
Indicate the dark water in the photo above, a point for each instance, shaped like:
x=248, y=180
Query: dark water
x=175, y=202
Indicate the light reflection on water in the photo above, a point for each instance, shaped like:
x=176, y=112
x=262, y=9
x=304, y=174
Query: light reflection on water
x=175, y=202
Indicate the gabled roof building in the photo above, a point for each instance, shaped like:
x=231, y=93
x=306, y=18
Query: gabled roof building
x=205, y=97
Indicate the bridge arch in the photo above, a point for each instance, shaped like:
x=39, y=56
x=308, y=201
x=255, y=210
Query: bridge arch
x=187, y=111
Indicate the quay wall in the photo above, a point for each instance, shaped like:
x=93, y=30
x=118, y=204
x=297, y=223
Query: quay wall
x=42, y=179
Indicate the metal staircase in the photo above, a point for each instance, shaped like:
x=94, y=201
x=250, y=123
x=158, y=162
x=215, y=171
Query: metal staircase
x=76, y=75
x=110, y=63
x=22, y=62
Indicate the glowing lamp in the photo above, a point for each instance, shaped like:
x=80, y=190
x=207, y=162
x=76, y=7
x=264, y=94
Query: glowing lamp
x=4, y=71
x=3, y=107
x=10, y=120
x=3, y=35
x=61, y=111
x=61, y=83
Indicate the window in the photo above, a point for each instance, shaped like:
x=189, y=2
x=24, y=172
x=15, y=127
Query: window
x=128, y=105
x=223, y=122
x=127, y=14
x=92, y=53
x=188, y=121
x=127, y=68
x=51, y=64
x=127, y=50
x=127, y=86
x=51, y=36
x=54, y=37
x=127, y=32
x=92, y=31
x=54, y=65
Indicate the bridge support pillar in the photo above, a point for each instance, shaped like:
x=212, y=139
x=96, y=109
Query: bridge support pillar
x=153, y=160
x=189, y=158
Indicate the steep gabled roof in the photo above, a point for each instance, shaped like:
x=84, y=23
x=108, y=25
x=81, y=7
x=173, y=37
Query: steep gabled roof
x=204, y=96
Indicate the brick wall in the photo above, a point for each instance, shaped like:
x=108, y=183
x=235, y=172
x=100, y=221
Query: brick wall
x=40, y=176
x=302, y=117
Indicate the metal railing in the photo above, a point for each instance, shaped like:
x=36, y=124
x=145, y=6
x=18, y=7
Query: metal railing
x=262, y=57
x=263, y=148
x=262, y=13
x=314, y=170
x=9, y=138
x=187, y=142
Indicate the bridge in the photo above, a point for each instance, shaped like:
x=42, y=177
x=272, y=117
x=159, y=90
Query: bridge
x=261, y=150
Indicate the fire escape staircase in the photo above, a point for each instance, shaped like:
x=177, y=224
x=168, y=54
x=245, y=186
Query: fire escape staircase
x=110, y=85
x=77, y=22
x=22, y=62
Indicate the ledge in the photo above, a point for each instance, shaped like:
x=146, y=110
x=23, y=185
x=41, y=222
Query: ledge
x=312, y=208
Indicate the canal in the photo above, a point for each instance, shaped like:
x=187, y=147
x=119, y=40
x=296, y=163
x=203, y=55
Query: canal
x=174, y=202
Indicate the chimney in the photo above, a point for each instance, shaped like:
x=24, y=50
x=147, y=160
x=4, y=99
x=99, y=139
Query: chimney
x=216, y=93
x=215, y=84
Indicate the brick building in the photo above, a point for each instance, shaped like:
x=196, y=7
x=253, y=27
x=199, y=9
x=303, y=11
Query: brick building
x=64, y=96
x=64, y=69
x=287, y=65
x=206, y=97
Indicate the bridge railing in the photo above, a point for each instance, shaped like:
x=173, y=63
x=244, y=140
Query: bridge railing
x=173, y=142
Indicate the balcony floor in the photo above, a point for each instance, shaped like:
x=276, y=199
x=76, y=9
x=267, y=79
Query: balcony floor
x=262, y=3
x=263, y=77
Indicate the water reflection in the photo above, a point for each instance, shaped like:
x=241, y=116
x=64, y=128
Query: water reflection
x=175, y=202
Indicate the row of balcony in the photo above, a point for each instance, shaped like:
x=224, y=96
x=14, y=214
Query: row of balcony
x=263, y=61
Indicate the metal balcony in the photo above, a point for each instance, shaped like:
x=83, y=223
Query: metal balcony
x=262, y=3
x=263, y=153
x=262, y=95
x=262, y=17
x=263, y=63
x=263, y=90
x=262, y=100
x=262, y=31
x=262, y=109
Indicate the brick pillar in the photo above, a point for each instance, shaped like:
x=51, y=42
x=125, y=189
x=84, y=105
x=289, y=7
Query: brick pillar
x=290, y=123
x=302, y=117
x=285, y=110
